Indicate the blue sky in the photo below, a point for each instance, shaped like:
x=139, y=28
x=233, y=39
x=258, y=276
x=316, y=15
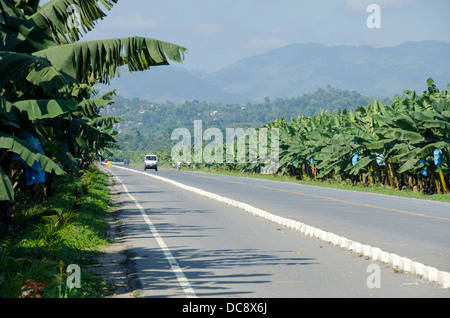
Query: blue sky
x=220, y=32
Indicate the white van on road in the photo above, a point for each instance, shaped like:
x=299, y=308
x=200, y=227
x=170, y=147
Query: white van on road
x=151, y=162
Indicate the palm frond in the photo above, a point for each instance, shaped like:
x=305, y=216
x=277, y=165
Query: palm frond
x=67, y=18
x=22, y=73
x=28, y=153
x=6, y=189
x=98, y=61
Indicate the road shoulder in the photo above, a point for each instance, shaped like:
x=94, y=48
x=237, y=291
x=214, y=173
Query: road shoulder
x=114, y=264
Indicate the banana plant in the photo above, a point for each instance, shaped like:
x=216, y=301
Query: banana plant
x=396, y=141
x=46, y=79
x=11, y=124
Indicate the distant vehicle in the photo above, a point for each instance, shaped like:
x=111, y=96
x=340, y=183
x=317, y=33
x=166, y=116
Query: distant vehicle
x=126, y=161
x=151, y=162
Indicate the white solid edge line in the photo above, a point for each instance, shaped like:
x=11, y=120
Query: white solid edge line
x=184, y=283
x=395, y=261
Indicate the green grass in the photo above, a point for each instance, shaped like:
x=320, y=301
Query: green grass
x=46, y=238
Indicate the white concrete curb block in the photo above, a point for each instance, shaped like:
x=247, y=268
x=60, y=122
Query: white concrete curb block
x=395, y=261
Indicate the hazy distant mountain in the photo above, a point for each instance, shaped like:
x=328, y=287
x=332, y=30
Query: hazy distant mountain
x=297, y=69
x=301, y=68
x=169, y=83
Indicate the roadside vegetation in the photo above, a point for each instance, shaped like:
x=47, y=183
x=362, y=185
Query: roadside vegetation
x=45, y=238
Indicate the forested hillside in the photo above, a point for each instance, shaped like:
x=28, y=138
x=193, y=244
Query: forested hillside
x=148, y=126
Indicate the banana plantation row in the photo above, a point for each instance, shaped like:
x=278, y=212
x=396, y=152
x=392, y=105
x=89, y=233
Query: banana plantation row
x=49, y=112
x=403, y=145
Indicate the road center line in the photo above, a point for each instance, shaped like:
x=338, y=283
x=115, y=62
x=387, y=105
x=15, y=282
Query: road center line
x=187, y=289
x=329, y=198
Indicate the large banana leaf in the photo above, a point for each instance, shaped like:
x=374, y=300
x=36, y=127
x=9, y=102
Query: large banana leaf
x=105, y=121
x=9, y=114
x=362, y=164
x=25, y=74
x=79, y=133
x=20, y=34
x=405, y=135
x=41, y=109
x=28, y=6
x=93, y=61
x=56, y=22
x=6, y=189
x=90, y=108
x=66, y=18
x=28, y=153
x=25, y=115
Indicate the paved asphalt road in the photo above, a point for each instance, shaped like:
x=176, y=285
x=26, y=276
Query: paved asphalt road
x=187, y=245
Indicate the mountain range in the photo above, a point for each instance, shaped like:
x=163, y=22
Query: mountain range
x=294, y=70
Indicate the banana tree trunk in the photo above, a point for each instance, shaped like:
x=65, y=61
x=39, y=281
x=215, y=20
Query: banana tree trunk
x=371, y=175
x=444, y=184
x=391, y=176
x=435, y=183
x=304, y=171
x=48, y=185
